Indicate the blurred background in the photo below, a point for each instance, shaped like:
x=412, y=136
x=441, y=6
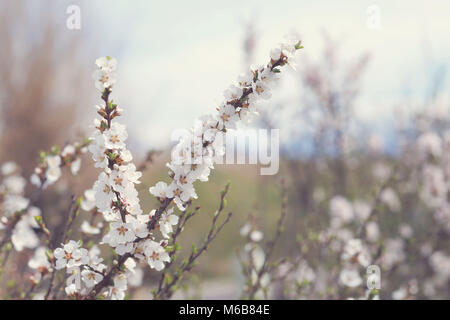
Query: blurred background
x=370, y=81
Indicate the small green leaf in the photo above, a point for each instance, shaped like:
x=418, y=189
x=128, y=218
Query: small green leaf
x=112, y=156
x=42, y=156
x=10, y=284
x=168, y=279
x=299, y=46
x=49, y=254
x=55, y=150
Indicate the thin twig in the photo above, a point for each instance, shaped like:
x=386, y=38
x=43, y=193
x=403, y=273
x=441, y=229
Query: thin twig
x=165, y=291
x=270, y=245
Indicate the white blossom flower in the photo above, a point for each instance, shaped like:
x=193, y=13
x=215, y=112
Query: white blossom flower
x=115, y=136
x=156, y=255
x=354, y=249
x=87, y=228
x=405, y=231
x=106, y=64
x=341, y=211
x=245, y=79
x=75, y=166
x=430, y=143
x=73, y=279
x=70, y=289
x=372, y=231
x=130, y=264
x=39, y=261
x=35, y=180
x=120, y=281
x=23, y=236
x=227, y=117
x=390, y=198
x=393, y=253
x=53, y=161
x=94, y=259
x=139, y=224
x=181, y=194
x=117, y=294
x=130, y=173
x=9, y=168
x=104, y=194
x=98, y=150
x=36, y=277
x=88, y=202
x=70, y=255
x=400, y=294
x=14, y=203
x=68, y=150
x=256, y=235
x=275, y=54
x=53, y=174
x=105, y=77
x=91, y=278
x=246, y=228
x=121, y=233
x=262, y=89
x=15, y=184
x=166, y=221
x=361, y=210
x=350, y=278
x=233, y=93
x=435, y=186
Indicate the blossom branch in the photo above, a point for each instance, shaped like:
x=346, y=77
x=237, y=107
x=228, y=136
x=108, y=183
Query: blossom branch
x=165, y=289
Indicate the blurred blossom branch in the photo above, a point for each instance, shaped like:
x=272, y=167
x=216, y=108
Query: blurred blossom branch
x=259, y=274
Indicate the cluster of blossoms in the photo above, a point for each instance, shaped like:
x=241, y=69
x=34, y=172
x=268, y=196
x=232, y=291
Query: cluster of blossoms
x=254, y=258
x=49, y=170
x=114, y=191
x=115, y=194
x=360, y=247
x=431, y=152
x=297, y=276
x=434, y=152
x=440, y=264
x=20, y=217
x=13, y=202
x=19, y=213
x=195, y=154
x=130, y=276
x=40, y=264
x=85, y=268
x=355, y=254
x=357, y=249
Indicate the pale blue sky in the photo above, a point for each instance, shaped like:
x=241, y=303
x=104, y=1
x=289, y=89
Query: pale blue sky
x=177, y=57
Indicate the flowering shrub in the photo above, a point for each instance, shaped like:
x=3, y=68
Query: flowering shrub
x=134, y=236
x=353, y=224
